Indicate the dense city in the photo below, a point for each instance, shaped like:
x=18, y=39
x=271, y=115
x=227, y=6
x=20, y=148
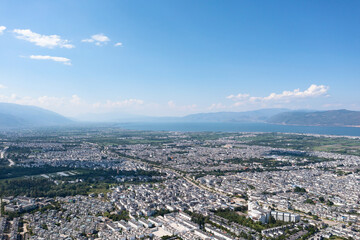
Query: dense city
x=109, y=183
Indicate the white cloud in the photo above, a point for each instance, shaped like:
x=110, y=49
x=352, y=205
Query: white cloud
x=171, y=104
x=75, y=99
x=119, y=44
x=119, y=104
x=75, y=105
x=2, y=29
x=291, y=99
x=2, y=86
x=217, y=106
x=313, y=91
x=63, y=60
x=98, y=39
x=49, y=41
x=239, y=96
x=181, y=108
x=43, y=101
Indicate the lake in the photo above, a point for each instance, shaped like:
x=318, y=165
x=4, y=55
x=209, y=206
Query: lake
x=239, y=127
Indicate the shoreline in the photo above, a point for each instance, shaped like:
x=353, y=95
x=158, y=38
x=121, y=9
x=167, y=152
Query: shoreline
x=304, y=125
x=259, y=127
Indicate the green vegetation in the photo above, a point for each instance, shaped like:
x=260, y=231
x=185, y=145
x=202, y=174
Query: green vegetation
x=173, y=237
x=232, y=216
x=198, y=218
x=41, y=188
x=122, y=215
x=311, y=231
x=161, y=212
x=91, y=181
x=302, y=159
x=44, y=226
x=16, y=172
x=299, y=190
x=202, y=136
x=122, y=137
x=309, y=201
x=201, y=220
x=241, y=209
x=18, y=150
x=301, y=142
x=4, y=163
x=53, y=206
x=342, y=173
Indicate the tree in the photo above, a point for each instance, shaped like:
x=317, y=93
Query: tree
x=299, y=190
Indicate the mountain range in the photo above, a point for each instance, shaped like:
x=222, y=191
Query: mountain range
x=261, y=115
x=20, y=116
x=341, y=117
x=319, y=118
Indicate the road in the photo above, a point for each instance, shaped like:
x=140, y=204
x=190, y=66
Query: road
x=11, y=163
x=2, y=155
x=178, y=174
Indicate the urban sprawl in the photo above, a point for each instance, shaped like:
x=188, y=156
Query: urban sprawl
x=108, y=183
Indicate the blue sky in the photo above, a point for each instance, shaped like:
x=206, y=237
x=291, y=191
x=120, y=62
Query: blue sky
x=179, y=57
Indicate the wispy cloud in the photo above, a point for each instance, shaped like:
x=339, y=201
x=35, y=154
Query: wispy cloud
x=98, y=39
x=118, y=44
x=48, y=41
x=239, y=96
x=75, y=99
x=217, y=106
x=313, y=91
x=2, y=29
x=291, y=99
x=119, y=104
x=2, y=86
x=74, y=104
x=182, y=108
x=63, y=60
x=43, y=101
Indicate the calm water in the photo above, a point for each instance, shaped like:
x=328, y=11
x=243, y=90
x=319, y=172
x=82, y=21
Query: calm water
x=240, y=127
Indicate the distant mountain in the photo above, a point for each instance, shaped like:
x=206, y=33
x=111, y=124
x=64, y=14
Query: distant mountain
x=115, y=117
x=261, y=115
x=18, y=116
x=272, y=115
x=319, y=118
x=251, y=116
